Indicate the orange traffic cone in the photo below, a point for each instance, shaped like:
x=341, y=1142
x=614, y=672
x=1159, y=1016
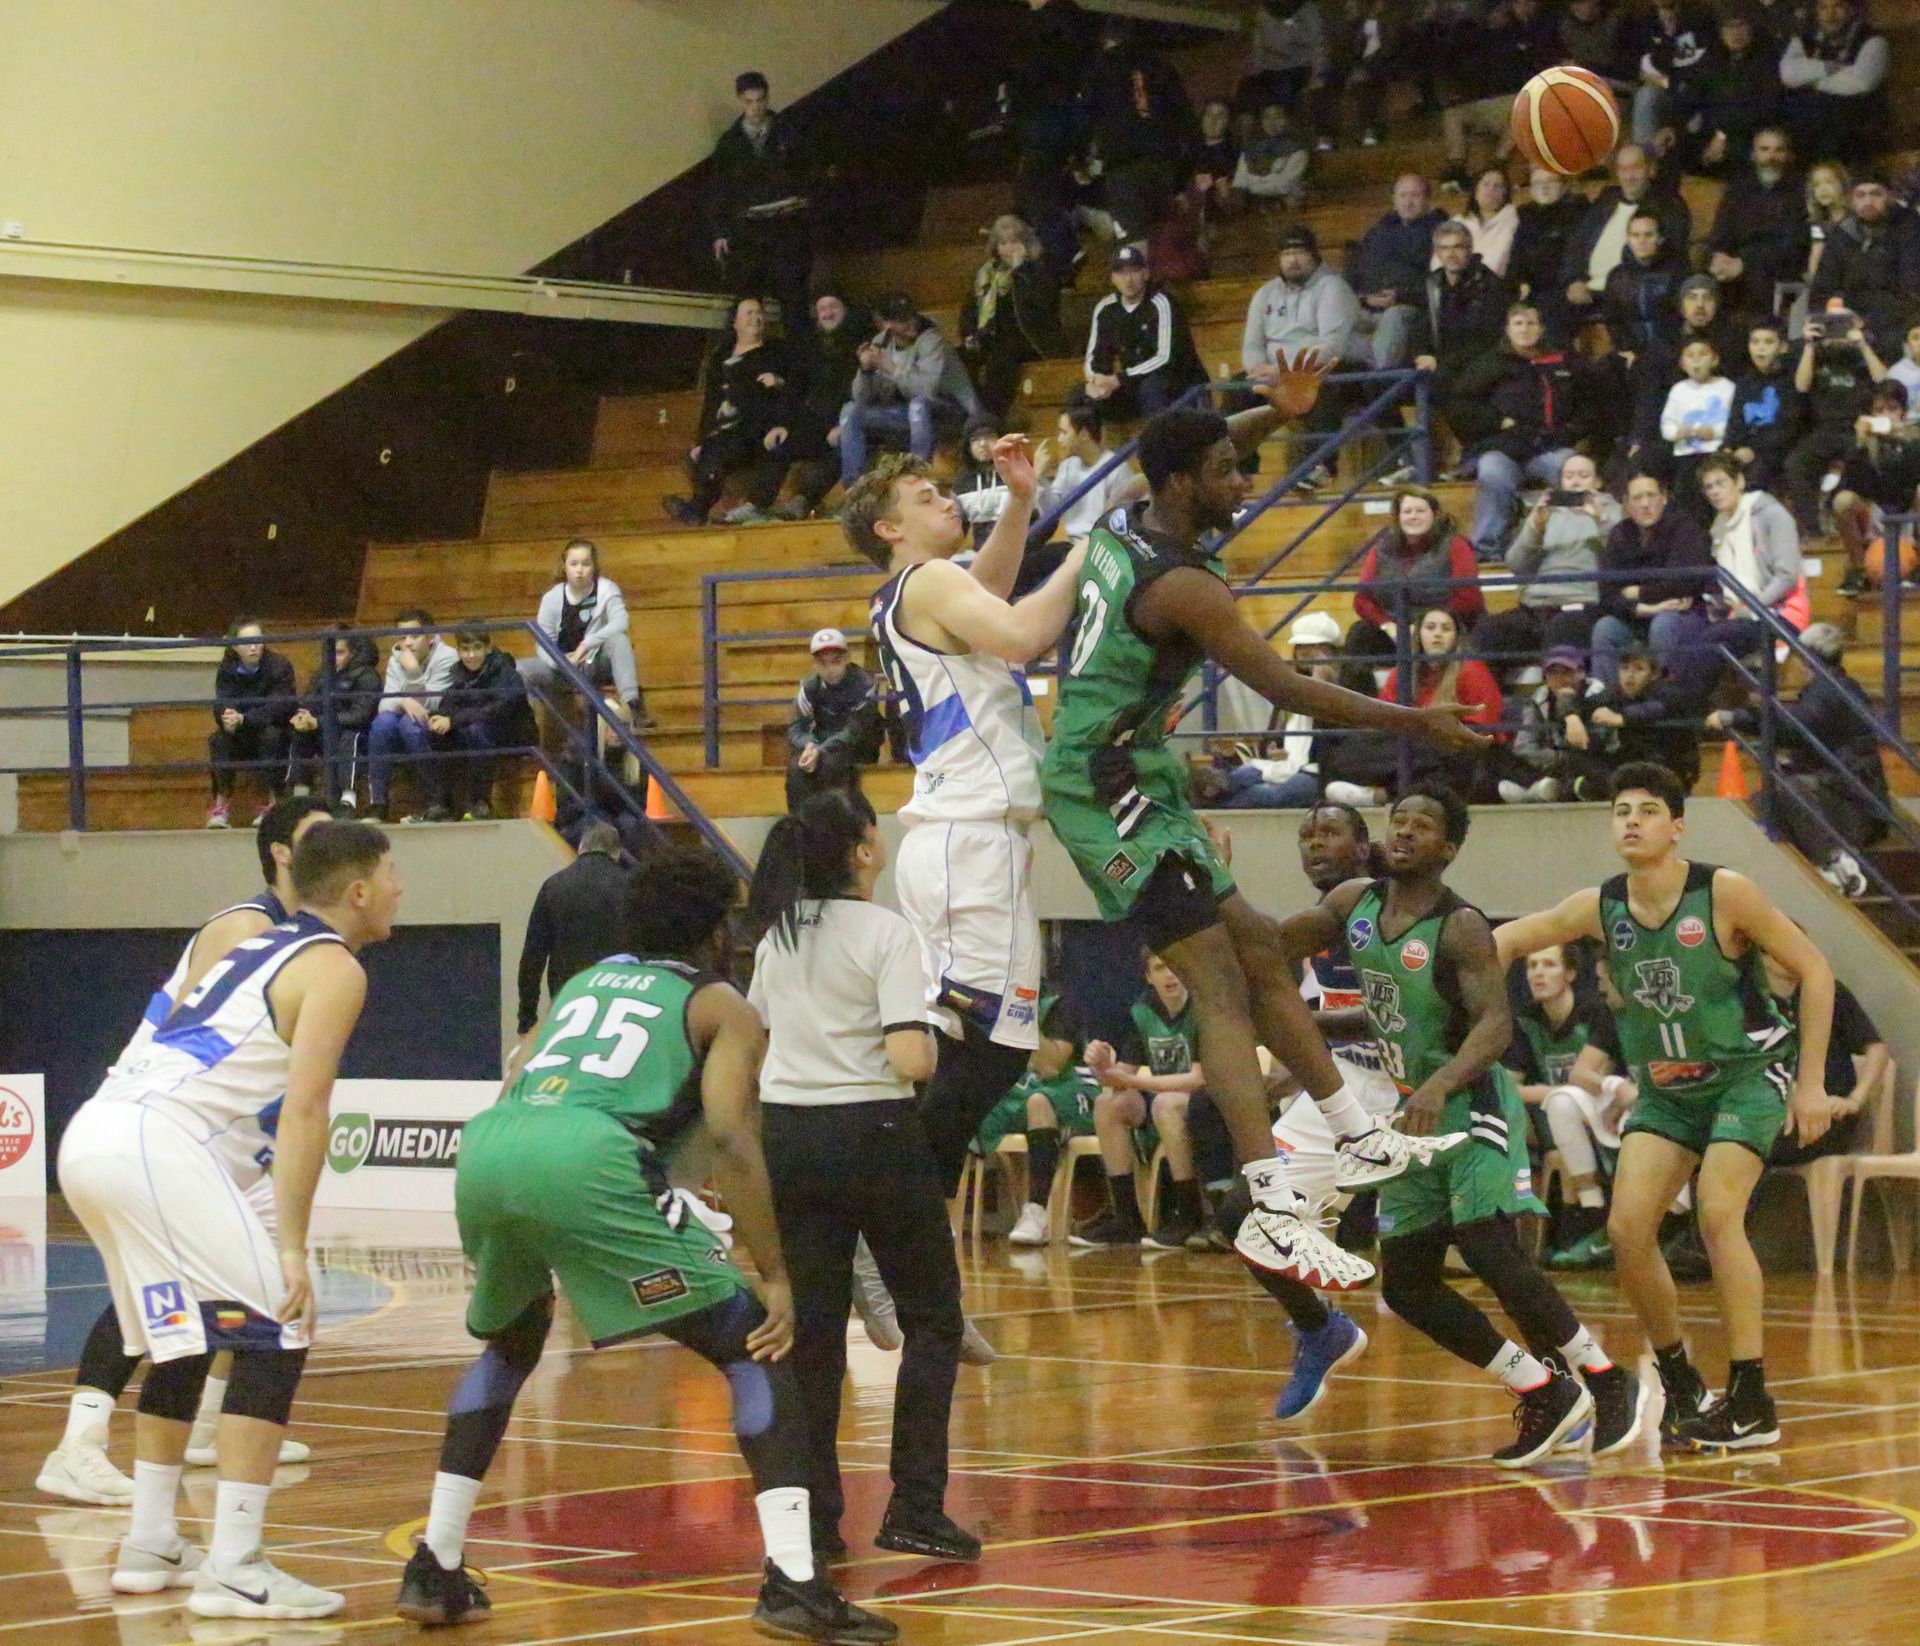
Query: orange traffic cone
x=659, y=808
x=1733, y=777
x=542, y=810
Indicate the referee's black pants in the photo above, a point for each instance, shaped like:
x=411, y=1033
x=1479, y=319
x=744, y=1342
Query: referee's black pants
x=839, y=1171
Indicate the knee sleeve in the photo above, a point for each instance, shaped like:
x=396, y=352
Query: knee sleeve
x=171, y=1389
x=483, y=1399
x=263, y=1383
x=104, y=1362
x=1567, y=1121
x=769, y=1422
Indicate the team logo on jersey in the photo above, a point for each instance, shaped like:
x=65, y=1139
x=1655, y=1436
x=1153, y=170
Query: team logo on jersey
x=1624, y=936
x=1382, y=995
x=1692, y=931
x=1120, y=868
x=1414, y=955
x=1659, y=989
x=1360, y=933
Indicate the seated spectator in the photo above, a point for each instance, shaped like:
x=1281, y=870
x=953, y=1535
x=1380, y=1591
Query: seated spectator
x=1572, y=758
x=1463, y=311
x=1443, y=673
x=1414, y=563
x=1857, y=1062
x=824, y=359
x=1599, y=241
x=253, y=703
x=1064, y=464
x=1837, y=373
x=1872, y=264
x=1011, y=316
x=1559, y=544
x=1567, y=1060
x=746, y=422
x=1273, y=162
x=1215, y=160
x=1387, y=270
x=1142, y=128
x=977, y=486
x=1835, y=73
x=1370, y=51
x=1519, y=411
x=1641, y=300
x=484, y=708
x=1052, y=1103
x=760, y=178
x=1829, y=202
x=835, y=728
x=1880, y=477
x=1290, y=57
x=1906, y=372
x=1672, y=42
x=1760, y=227
x=1140, y=355
x=419, y=668
x=356, y=695
x=1708, y=123
x=1755, y=542
x=1306, y=306
x=1514, y=44
x=1769, y=413
x=1694, y=420
x=585, y=615
x=909, y=384
x=1549, y=218
x=1672, y=556
x=1286, y=771
x=1653, y=370
x=1647, y=717
x=1590, y=39
x=1151, y=1089
x=1492, y=219
x=1823, y=815
x=610, y=789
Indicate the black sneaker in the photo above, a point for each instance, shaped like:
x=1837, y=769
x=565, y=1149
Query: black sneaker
x=1542, y=1416
x=1108, y=1229
x=1687, y=1399
x=1721, y=1428
x=828, y=1544
x=1852, y=584
x=815, y=1610
x=431, y=1594
x=1173, y=1234
x=1619, y=1403
x=927, y=1532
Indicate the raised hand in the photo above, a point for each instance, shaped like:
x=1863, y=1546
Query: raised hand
x=1295, y=389
x=1013, y=462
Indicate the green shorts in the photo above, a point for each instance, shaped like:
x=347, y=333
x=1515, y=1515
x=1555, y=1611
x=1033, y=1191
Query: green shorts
x=1117, y=867
x=1072, y=1107
x=1486, y=1175
x=1748, y=1110
x=546, y=1192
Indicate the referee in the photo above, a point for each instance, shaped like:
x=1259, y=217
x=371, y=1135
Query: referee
x=840, y=985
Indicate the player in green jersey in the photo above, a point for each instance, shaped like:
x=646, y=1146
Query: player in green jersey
x=1151, y=606
x=1436, y=1000
x=566, y=1177
x=1718, y=1075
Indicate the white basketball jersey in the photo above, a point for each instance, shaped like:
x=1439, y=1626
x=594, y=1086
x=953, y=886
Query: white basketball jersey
x=972, y=731
x=268, y=903
x=216, y=1065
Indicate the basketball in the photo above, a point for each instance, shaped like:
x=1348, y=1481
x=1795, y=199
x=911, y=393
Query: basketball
x=1874, y=563
x=1566, y=120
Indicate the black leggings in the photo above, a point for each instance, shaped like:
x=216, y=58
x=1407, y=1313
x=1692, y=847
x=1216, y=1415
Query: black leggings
x=1413, y=1282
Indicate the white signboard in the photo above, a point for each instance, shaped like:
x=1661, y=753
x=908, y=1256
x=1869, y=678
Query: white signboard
x=23, y=1137
x=392, y=1144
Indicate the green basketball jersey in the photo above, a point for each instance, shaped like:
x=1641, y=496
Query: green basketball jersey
x=1549, y=1053
x=1167, y=1044
x=616, y=1040
x=1693, y=1020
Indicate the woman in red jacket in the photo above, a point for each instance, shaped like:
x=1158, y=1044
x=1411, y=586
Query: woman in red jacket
x=1443, y=675
x=1417, y=562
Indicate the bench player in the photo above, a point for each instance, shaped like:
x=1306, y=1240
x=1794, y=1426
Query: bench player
x=235, y=1082
x=79, y=1469
x=1718, y=1076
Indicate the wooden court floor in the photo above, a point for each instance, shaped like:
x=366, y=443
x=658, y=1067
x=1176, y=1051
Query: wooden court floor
x=1120, y=1461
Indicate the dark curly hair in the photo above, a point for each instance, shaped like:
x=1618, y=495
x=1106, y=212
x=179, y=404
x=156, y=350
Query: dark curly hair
x=677, y=898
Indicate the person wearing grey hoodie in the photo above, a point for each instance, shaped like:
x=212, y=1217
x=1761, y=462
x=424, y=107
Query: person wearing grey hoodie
x=585, y=615
x=910, y=381
x=409, y=723
x=1305, y=306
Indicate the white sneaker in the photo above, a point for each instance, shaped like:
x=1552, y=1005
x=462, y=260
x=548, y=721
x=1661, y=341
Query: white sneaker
x=873, y=1303
x=1031, y=1229
x=1373, y=1157
x=203, y=1451
x=257, y=1588
x=138, y=1571
x=975, y=1350
x=1521, y=794
x=81, y=1472
x=1282, y=1243
x=1844, y=874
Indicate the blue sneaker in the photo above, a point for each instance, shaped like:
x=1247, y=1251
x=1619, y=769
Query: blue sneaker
x=1316, y=1357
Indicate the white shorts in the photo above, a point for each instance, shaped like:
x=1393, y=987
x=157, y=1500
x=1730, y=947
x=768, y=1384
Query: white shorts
x=189, y=1260
x=967, y=891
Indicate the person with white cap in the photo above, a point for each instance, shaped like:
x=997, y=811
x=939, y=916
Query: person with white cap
x=836, y=722
x=1286, y=773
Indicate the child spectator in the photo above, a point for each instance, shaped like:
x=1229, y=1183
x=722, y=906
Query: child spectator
x=836, y=722
x=1647, y=716
x=1694, y=421
x=1064, y=463
x=585, y=615
x=1769, y=413
x=1273, y=165
x=1573, y=757
x=484, y=708
x=977, y=486
x=253, y=701
x=418, y=670
x=1906, y=372
x=1053, y=1104
x=1880, y=477
x=356, y=695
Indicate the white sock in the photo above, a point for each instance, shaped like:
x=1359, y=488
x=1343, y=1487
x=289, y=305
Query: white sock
x=87, y=1415
x=212, y=1398
x=1591, y=1197
x=156, y=1489
x=1583, y=1354
x=453, y=1499
x=1517, y=1369
x=1267, y=1182
x=787, y=1531
x=239, y=1521
x=1345, y=1115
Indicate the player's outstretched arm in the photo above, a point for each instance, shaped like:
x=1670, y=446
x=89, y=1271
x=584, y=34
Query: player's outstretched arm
x=1810, y=1108
x=1566, y=922
x=948, y=596
x=1196, y=603
x=1466, y=944
x=997, y=564
x=720, y=1021
x=1310, y=931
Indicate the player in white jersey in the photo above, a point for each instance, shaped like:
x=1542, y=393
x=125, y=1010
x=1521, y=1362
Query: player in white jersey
x=954, y=649
x=79, y=1469
x=234, y=1083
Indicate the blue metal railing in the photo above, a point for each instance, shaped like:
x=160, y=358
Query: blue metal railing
x=1893, y=589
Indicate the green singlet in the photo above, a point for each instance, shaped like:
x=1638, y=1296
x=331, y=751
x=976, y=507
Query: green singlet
x=1555, y=1051
x=564, y=1175
x=1713, y=1052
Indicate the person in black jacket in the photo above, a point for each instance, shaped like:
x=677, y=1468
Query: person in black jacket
x=1517, y=41
x=1388, y=270
x=356, y=696
x=1872, y=261
x=746, y=422
x=1880, y=476
x=1759, y=233
x=1670, y=551
x=758, y=203
x=1550, y=216
x=254, y=700
x=1640, y=302
x=1140, y=355
x=1648, y=716
x=1012, y=314
x=1599, y=241
x=825, y=359
x=578, y=917
x=1769, y=413
x=1670, y=43
x=1462, y=309
x=1709, y=120
x=836, y=722
x=485, y=708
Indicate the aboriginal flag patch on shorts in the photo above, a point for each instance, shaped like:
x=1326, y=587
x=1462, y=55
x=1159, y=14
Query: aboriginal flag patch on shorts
x=659, y=1286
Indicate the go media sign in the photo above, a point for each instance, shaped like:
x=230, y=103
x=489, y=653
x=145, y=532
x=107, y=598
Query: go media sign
x=361, y=1139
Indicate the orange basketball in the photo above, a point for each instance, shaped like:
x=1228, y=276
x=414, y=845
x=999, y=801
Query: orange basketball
x=1566, y=120
x=1875, y=565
